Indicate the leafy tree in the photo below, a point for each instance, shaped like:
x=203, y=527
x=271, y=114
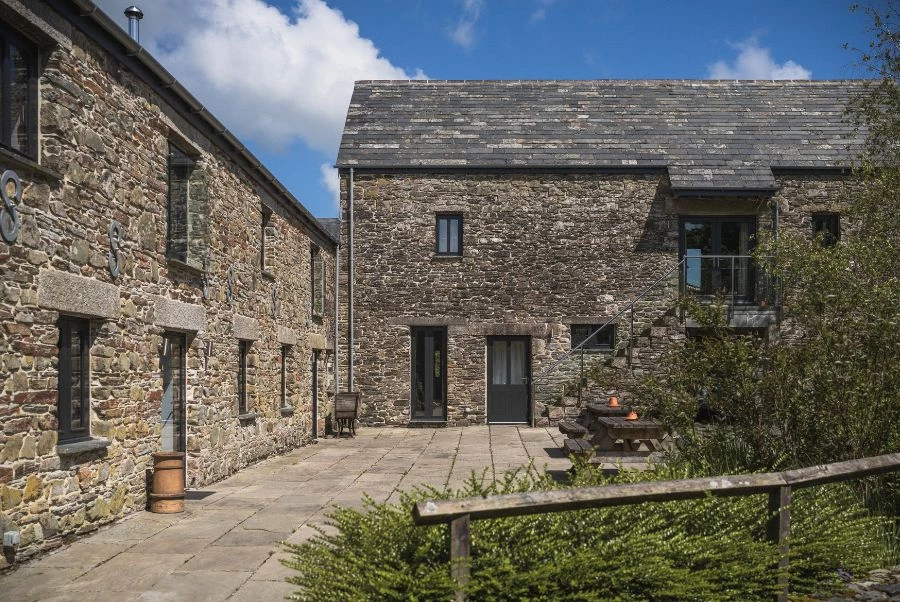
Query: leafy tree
x=830, y=389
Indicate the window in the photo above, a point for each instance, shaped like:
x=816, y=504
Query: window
x=828, y=227
x=284, y=356
x=243, y=351
x=602, y=340
x=74, y=380
x=318, y=283
x=266, y=242
x=172, y=406
x=188, y=202
x=18, y=94
x=449, y=235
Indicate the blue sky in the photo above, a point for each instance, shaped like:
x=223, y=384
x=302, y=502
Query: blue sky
x=278, y=73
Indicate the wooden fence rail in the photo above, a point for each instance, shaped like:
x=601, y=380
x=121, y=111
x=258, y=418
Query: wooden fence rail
x=778, y=486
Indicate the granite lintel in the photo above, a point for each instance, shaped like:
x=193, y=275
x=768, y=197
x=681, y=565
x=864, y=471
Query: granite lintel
x=245, y=328
x=287, y=336
x=316, y=341
x=178, y=315
x=420, y=321
x=540, y=330
x=73, y=294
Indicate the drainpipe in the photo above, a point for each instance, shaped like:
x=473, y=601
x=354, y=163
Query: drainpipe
x=134, y=15
x=350, y=282
x=337, y=316
x=775, y=214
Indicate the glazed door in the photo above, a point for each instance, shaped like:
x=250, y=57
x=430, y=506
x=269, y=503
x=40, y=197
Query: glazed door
x=508, y=369
x=717, y=250
x=429, y=374
x=172, y=408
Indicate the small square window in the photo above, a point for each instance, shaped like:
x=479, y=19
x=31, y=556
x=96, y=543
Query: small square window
x=828, y=227
x=604, y=339
x=74, y=398
x=449, y=235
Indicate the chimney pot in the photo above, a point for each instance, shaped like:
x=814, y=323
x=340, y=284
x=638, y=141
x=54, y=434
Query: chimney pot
x=134, y=15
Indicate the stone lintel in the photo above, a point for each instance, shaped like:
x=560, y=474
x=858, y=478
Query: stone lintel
x=762, y=318
x=73, y=294
x=316, y=341
x=598, y=320
x=420, y=321
x=287, y=336
x=540, y=330
x=178, y=315
x=246, y=329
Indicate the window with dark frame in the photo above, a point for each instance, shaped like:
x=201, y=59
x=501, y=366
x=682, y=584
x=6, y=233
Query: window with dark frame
x=828, y=227
x=266, y=242
x=73, y=382
x=18, y=93
x=603, y=340
x=180, y=168
x=448, y=232
x=243, y=351
x=284, y=356
x=318, y=283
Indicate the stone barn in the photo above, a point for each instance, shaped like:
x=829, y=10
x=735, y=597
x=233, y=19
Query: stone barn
x=490, y=228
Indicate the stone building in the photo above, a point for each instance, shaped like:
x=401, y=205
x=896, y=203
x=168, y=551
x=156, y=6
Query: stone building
x=491, y=227
x=160, y=289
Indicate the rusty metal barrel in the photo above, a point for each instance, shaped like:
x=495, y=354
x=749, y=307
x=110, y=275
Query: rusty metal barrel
x=167, y=490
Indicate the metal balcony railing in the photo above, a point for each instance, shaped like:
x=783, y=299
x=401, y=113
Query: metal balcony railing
x=738, y=279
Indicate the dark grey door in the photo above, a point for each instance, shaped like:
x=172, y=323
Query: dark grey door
x=314, y=369
x=509, y=364
x=429, y=374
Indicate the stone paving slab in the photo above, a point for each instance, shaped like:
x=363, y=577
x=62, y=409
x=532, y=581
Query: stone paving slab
x=227, y=546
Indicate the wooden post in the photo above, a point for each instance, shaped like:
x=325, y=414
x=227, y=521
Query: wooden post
x=460, y=545
x=779, y=530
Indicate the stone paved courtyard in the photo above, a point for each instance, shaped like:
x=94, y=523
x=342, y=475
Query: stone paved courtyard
x=226, y=545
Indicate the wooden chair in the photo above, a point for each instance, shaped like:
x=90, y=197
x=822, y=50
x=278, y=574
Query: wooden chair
x=346, y=411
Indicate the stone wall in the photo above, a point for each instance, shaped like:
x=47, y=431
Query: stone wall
x=540, y=252
x=104, y=138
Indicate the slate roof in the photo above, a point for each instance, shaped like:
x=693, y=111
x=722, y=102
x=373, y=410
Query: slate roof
x=332, y=225
x=710, y=135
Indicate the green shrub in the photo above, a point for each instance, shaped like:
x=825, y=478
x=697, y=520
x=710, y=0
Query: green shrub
x=707, y=549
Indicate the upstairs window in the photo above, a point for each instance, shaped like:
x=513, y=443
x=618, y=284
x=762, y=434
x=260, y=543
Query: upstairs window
x=267, y=242
x=18, y=94
x=449, y=235
x=603, y=340
x=318, y=283
x=73, y=382
x=828, y=227
x=188, y=202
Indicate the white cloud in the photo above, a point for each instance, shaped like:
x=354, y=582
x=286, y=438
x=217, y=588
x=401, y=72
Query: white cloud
x=331, y=182
x=540, y=13
x=272, y=77
x=464, y=32
x=754, y=62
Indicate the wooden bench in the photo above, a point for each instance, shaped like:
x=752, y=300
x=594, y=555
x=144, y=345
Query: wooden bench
x=346, y=411
x=578, y=447
x=572, y=429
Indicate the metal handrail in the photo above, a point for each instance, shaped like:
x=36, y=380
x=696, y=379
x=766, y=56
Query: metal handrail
x=628, y=306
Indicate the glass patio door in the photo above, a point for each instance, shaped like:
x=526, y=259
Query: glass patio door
x=717, y=255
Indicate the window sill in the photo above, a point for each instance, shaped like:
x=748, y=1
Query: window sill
x=287, y=411
x=80, y=447
x=247, y=417
x=267, y=275
x=172, y=261
x=450, y=258
x=29, y=165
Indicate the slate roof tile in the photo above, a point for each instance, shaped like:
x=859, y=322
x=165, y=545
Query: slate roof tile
x=735, y=130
